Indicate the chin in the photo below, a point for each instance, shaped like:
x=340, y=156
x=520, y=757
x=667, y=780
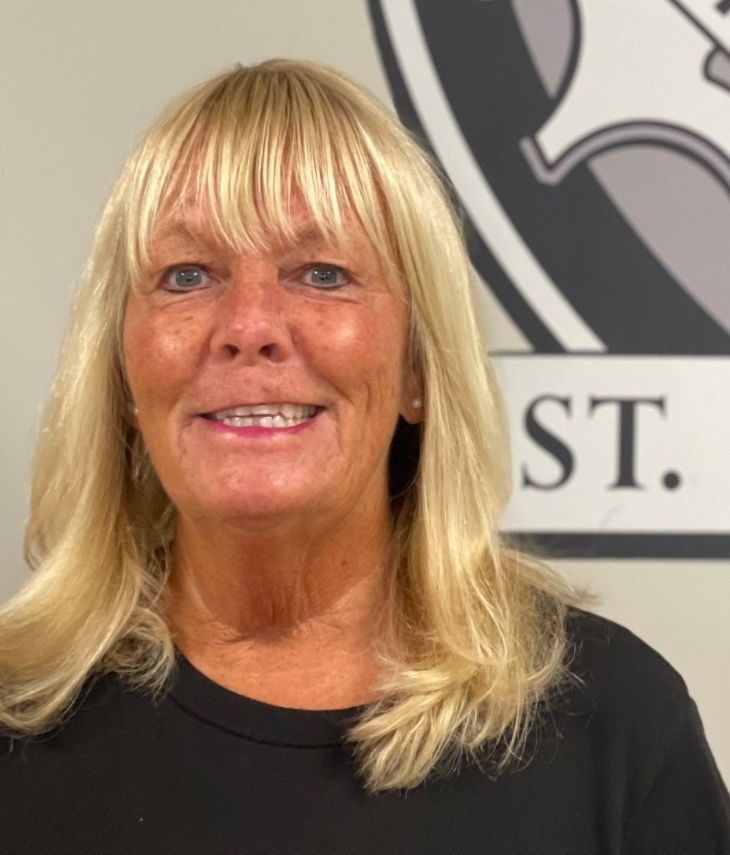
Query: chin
x=253, y=507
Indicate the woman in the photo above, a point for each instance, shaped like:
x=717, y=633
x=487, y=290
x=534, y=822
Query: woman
x=271, y=611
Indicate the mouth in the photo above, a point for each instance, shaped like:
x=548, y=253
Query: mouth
x=264, y=416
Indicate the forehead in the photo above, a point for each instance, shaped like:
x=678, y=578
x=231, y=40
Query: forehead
x=192, y=226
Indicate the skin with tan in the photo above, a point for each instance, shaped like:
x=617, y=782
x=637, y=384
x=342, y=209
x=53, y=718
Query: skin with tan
x=282, y=539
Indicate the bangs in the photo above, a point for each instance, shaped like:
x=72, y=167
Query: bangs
x=248, y=147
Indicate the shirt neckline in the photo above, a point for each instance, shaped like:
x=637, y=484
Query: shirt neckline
x=262, y=722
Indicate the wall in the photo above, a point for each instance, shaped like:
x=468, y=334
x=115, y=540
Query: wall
x=80, y=81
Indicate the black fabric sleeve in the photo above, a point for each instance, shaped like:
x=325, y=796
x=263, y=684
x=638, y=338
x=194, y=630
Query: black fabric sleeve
x=687, y=809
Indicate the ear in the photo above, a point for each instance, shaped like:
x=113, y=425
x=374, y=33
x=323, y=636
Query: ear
x=412, y=404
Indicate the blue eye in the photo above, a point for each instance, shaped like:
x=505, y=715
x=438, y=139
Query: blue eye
x=184, y=278
x=326, y=276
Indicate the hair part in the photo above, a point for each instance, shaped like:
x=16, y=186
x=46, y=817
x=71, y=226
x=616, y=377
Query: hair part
x=475, y=640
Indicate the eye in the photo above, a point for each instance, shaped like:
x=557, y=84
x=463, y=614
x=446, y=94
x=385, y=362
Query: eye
x=326, y=276
x=184, y=277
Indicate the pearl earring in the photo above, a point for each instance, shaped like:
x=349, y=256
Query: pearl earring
x=416, y=403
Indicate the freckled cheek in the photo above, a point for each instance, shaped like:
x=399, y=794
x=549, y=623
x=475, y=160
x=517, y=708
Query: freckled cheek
x=363, y=359
x=158, y=358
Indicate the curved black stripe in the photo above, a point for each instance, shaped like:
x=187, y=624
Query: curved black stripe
x=532, y=327
x=604, y=270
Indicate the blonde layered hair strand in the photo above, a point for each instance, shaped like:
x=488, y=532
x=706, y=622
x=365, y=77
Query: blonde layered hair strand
x=476, y=638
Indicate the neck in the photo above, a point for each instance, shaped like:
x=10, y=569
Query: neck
x=283, y=584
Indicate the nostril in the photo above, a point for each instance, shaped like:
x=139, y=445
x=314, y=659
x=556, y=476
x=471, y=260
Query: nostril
x=251, y=341
x=267, y=351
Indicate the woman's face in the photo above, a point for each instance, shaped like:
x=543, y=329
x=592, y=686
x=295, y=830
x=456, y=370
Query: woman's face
x=212, y=334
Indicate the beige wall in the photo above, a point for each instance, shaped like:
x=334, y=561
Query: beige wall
x=81, y=79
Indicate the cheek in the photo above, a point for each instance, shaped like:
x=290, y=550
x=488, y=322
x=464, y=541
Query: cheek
x=159, y=355
x=363, y=354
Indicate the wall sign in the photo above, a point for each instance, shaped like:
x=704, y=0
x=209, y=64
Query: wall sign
x=589, y=143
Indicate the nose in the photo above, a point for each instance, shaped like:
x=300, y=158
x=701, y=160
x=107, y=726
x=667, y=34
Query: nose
x=251, y=321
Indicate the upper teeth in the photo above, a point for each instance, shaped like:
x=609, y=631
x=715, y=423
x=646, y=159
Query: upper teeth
x=289, y=411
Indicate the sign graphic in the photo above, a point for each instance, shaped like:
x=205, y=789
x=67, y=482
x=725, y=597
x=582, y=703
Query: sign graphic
x=589, y=143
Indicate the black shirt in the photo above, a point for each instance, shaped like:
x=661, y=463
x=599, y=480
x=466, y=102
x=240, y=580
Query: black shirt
x=621, y=766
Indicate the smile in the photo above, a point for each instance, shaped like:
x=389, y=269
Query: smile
x=265, y=416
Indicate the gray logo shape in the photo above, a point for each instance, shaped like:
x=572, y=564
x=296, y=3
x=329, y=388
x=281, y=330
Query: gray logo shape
x=663, y=134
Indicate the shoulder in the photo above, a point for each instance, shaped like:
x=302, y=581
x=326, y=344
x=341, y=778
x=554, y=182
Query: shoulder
x=622, y=692
x=629, y=715
x=615, y=660
x=102, y=711
x=617, y=671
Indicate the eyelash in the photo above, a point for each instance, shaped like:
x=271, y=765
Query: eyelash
x=176, y=269
x=302, y=271
x=323, y=264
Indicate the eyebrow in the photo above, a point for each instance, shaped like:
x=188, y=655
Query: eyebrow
x=179, y=229
x=308, y=233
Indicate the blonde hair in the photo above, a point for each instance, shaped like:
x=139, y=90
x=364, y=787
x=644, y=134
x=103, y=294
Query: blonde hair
x=477, y=637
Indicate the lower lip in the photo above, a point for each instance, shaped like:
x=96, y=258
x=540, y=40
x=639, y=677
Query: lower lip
x=221, y=427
